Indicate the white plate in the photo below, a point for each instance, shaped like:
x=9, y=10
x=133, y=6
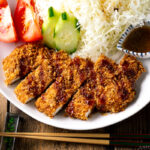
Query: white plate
x=96, y=120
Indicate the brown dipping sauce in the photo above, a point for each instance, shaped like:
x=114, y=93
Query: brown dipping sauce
x=138, y=40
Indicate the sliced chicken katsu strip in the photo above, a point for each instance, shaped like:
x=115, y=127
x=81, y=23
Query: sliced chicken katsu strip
x=131, y=67
x=23, y=60
x=119, y=91
x=38, y=80
x=105, y=68
x=115, y=95
x=83, y=101
x=58, y=94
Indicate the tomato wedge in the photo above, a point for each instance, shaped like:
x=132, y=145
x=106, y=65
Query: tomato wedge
x=27, y=22
x=7, y=29
x=3, y=3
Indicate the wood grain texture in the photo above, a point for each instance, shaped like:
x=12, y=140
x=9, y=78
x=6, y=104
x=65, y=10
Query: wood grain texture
x=3, y=110
x=137, y=124
x=28, y=124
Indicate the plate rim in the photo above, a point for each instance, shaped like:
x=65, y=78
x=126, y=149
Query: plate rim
x=70, y=128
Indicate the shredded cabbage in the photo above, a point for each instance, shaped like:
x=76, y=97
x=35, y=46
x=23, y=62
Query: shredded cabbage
x=102, y=22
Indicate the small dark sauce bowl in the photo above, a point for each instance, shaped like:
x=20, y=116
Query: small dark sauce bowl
x=124, y=37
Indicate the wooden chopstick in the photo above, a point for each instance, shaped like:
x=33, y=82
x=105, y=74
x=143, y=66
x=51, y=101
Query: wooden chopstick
x=64, y=137
x=86, y=135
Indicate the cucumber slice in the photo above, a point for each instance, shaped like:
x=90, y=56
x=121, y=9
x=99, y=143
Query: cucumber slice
x=49, y=26
x=67, y=33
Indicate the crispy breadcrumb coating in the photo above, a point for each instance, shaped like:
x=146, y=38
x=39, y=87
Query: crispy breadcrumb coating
x=119, y=91
x=58, y=94
x=115, y=95
x=38, y=80
x=111, y=87
x=105, y=85
x=84, y=100
x=131, y=67
x=23, y=60
x=105, y=67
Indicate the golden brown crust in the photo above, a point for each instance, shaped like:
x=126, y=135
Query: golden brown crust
x=84, y=100
x=106, y=85
x=131, y=67
x=105, y=67
x=115, y=96
x=58, y=94
x=119, y=91
x=23, y=60
x=35, y=83
x=38, y=80
x=109, y=86
x=49, y=102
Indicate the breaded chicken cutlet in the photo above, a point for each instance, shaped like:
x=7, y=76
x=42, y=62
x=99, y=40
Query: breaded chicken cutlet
x=84, y=100
x=58, y=94
x=131, y=67
x=119, y=91
x=105, y=68
x=110, y=89
x=23, y=60
x=116, y=95
x=105, y=85
x=38, y=80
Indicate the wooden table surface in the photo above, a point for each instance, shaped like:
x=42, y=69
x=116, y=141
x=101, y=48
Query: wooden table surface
x=139, y=123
